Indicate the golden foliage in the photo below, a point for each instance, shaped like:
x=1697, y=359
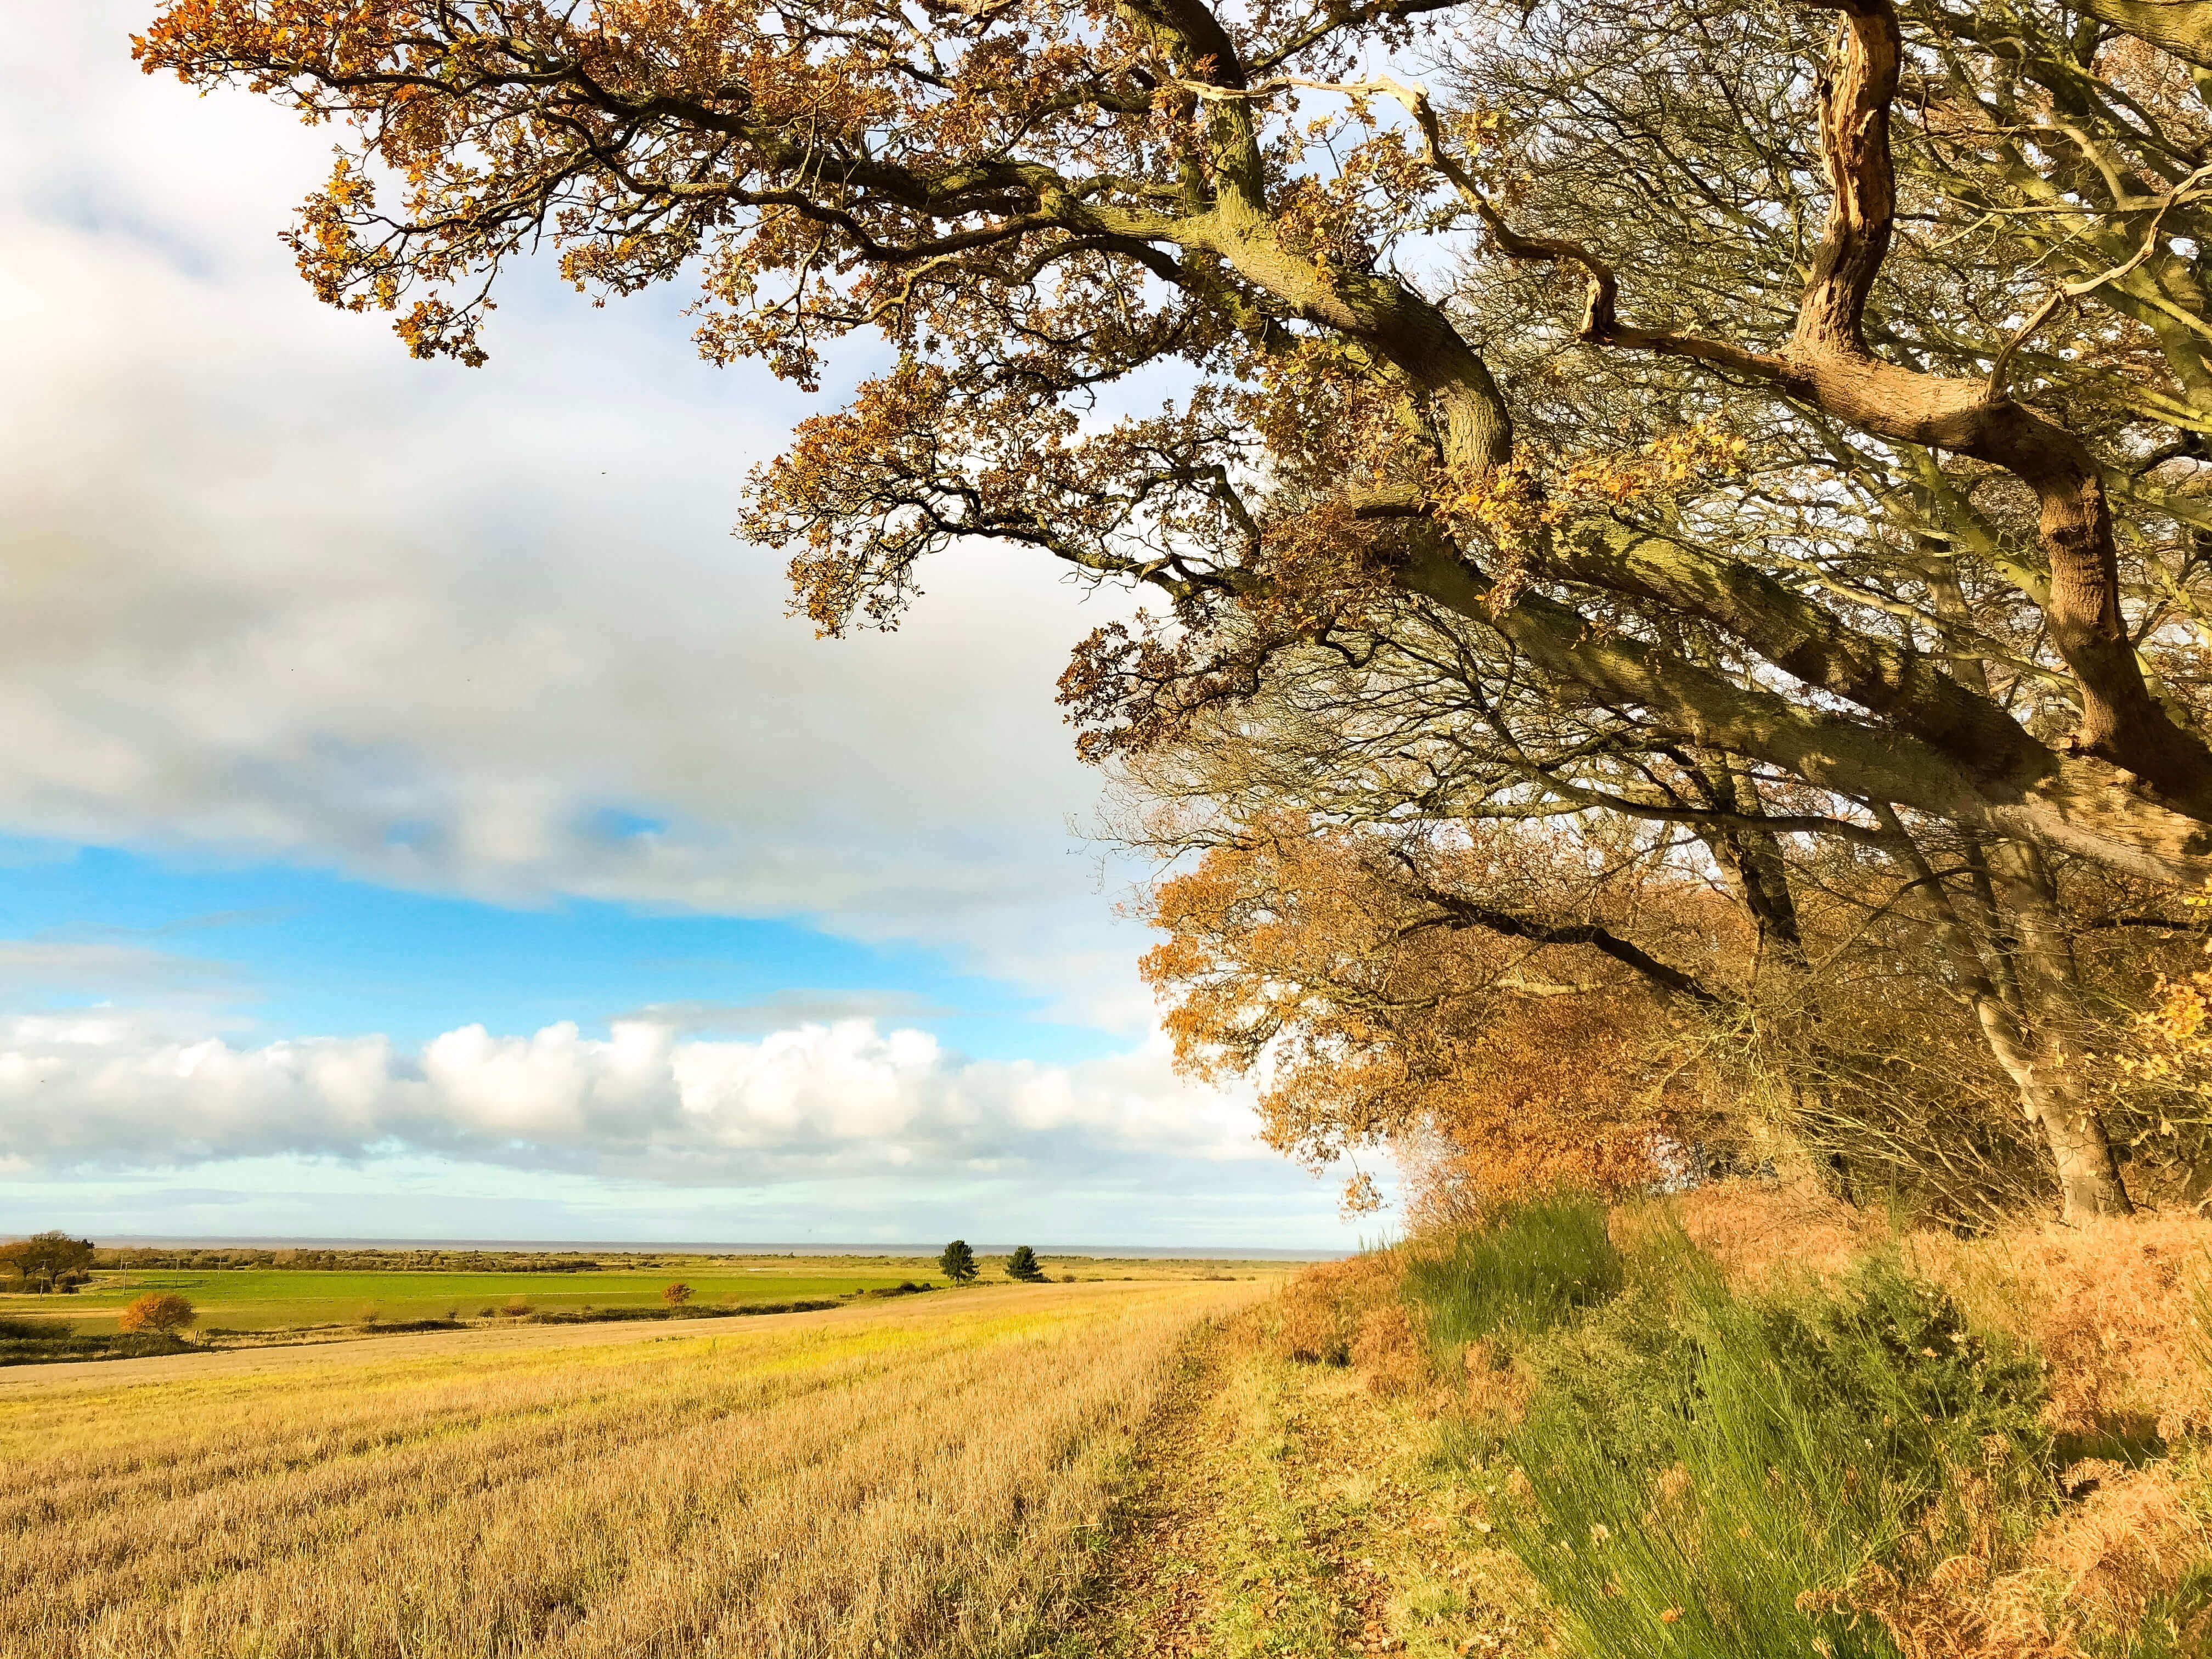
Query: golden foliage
x=1334, y=968
x=2087, y=1581
x=162, y=1312
x=2115, y=1307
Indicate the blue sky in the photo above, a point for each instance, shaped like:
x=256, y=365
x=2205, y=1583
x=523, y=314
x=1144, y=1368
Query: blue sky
x=274, y=952
x=421, y=816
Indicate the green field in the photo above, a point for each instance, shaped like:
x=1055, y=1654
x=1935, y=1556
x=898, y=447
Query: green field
x=256, y=1299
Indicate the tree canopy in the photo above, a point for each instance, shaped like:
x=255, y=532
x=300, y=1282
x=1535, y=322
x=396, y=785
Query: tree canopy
x=44, y=1259
x=1785, y=424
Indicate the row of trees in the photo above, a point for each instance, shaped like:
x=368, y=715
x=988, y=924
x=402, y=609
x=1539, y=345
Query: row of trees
x=45, y=1262
x=1681, y=538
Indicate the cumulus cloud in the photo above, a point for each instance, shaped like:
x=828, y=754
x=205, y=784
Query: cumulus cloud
x=843, y=1100
x=270, y=591
x=271, y=587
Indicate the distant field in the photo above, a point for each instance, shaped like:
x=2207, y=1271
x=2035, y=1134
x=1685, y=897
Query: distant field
x=919, y=1479
x=275, y=1298
x=256, y=1299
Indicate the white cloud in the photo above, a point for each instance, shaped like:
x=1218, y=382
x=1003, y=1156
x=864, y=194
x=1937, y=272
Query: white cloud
x=268, y=587
x=97, y=1089
x=268, y=590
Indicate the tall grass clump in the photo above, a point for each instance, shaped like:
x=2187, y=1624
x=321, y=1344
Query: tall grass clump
x=1704, y=1473
x=1531, y=1268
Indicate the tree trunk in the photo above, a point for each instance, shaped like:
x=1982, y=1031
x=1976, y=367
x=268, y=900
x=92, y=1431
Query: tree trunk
x=2088, y=1174
x=2048, y=1077
x=2022, y=991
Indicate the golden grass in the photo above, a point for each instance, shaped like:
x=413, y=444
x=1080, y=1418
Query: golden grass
x=2116, y=1310
x=2117, y=1561
x=908, y=1481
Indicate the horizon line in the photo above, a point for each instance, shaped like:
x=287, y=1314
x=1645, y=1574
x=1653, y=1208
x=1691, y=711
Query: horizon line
x=696, y=1247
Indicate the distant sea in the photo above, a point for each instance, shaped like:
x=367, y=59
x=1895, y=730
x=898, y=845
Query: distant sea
x=660, y=1247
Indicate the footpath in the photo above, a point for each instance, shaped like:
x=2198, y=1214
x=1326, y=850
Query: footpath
x=1281, y=1509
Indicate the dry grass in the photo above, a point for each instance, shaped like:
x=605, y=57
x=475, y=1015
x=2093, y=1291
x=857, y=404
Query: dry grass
x=903, y=1480
x=2112, y=1306
x=1320, y=1309
x=1758, y=1233
x=2116, y=1309
x=2086, y=1585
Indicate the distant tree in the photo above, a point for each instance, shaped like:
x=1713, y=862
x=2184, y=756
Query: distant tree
x=957, y=1263
x=1022, y=1264
x=43, y=1260
x=164, y=1312
x=676, y=1295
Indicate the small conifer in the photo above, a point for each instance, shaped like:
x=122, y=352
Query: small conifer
x=957, y=1263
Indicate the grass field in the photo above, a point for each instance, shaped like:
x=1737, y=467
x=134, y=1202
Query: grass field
x=916, y=1478
x=259, y=1299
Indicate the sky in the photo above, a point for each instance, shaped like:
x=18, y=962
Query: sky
x=421, y=819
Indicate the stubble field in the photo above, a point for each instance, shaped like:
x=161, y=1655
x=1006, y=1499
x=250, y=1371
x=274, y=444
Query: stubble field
x=909, y=1479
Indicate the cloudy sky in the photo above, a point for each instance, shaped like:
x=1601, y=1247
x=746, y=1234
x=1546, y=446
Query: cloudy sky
x=419, y=817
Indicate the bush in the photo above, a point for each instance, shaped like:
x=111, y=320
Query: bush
x=1022, y=1265
x=675, y=1295
x=163, y=1312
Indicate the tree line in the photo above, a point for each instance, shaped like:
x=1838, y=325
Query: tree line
x=1676, y=548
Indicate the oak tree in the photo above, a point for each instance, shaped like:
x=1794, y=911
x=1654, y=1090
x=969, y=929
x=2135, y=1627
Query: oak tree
x=164, y=1313
x=1819, y=385
x=45, y=1259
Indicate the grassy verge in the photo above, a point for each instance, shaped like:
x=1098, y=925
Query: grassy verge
x=1743, y=1426
x=1287, y=1509
x=1693, y=1465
